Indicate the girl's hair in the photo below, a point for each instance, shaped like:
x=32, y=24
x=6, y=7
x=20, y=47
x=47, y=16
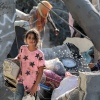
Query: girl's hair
x=35, y=33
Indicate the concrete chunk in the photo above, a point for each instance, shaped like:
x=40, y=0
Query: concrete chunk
x=90, y=81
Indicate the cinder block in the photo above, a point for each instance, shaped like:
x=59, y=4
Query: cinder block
x=89, y=82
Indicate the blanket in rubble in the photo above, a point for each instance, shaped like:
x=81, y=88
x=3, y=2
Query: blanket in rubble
x=51, y=79
x=67, y=51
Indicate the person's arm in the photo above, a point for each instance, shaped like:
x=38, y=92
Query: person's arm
x=34, y=87
x=56, y=30
x=39, y=75
x=31, y=21
x=32, y=15
x=22, y=15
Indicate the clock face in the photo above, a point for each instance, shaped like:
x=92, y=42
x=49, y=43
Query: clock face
x=68, y=62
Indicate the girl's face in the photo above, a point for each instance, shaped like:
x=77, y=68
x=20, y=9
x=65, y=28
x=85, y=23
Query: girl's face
x=30, y=40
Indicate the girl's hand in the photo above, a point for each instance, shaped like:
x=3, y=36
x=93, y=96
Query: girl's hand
x=33, y=90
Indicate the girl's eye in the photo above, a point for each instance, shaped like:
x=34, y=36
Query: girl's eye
x=31, y=38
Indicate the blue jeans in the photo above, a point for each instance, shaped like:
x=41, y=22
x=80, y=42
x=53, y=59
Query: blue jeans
x=19, y=92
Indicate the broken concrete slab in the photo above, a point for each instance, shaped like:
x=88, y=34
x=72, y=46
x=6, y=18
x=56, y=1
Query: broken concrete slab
x=87, y=17
x=70, y=95
x=89, y=84
x=89, y=81
x=88, y=88
x=7, y=36
x=82, y=43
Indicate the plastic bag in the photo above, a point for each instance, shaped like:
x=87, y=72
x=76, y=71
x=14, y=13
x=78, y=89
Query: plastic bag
x=28, y=97
x=56, y=66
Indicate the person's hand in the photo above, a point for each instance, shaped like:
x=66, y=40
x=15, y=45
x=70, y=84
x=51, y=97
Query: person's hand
x=33, y=90
x=56, y=31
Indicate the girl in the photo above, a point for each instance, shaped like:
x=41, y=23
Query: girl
x=32, y=63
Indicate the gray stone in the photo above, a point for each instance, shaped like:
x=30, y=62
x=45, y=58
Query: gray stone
x=88, y=89
x=7, y=35
x=90, y=85
x=81, y=94
x=6, y=94
x=73, y=95
x=90, y=81
x=87, y=17
x=91, y=96
x=70, y=95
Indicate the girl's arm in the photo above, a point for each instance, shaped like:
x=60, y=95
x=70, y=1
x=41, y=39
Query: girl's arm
x=39, y=75
x=34, y=87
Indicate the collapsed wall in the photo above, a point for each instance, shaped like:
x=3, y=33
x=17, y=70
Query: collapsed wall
x=89, y=85
x=87, y=17
x=88, y=88
x=7, y=36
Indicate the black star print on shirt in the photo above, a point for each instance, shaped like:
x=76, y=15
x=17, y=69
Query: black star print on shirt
x=37, y=55
x=34, y=82
x=26, y=87
x=32, y=64
x=28, y=73
x=25, y=58
x=40, y=58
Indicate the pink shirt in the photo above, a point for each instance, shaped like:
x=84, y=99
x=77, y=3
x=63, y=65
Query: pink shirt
x=30, y=62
